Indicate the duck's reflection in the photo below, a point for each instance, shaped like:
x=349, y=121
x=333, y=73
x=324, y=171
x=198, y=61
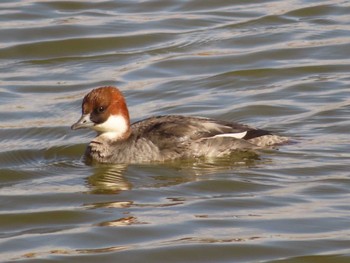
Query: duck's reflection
x=108, y=179
x=146, y=179
x=112, y=179
x=207, y=166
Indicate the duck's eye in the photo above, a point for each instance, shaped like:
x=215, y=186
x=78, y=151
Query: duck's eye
x=100, y=109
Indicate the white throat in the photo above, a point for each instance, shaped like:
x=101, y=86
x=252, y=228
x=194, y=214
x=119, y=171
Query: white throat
x=115, y=127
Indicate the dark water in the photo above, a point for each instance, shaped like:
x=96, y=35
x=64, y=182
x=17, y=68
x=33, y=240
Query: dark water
x=278, y=65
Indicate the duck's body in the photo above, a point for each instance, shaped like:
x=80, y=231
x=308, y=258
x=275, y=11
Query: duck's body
x=160, y=138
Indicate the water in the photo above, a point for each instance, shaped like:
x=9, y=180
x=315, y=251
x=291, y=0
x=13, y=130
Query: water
x=278, y=65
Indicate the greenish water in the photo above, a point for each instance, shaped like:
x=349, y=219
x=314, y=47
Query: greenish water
x=278, y=65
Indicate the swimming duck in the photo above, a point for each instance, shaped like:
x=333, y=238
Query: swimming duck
x=160, y=138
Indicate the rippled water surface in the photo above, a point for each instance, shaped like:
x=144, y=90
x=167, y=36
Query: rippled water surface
x=278, y=65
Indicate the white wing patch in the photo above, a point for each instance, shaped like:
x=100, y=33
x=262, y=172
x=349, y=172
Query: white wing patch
x=238, y=135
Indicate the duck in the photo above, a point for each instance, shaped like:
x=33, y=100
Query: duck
x=161, y=138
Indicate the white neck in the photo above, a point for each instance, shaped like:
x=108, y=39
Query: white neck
x=114, y=128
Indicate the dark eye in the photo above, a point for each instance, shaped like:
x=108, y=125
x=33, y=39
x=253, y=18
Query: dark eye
x=100, y=109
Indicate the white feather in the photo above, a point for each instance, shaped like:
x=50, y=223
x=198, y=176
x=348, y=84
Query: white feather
x=238, y=135
x=114, y=127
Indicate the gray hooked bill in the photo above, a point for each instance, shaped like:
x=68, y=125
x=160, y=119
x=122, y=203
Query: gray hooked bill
x=83, y=122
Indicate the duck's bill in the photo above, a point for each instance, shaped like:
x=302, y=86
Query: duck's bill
x=83, y=122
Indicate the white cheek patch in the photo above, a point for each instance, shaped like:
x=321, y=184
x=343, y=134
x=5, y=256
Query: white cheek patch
x=114, y=127
x=238, y=135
